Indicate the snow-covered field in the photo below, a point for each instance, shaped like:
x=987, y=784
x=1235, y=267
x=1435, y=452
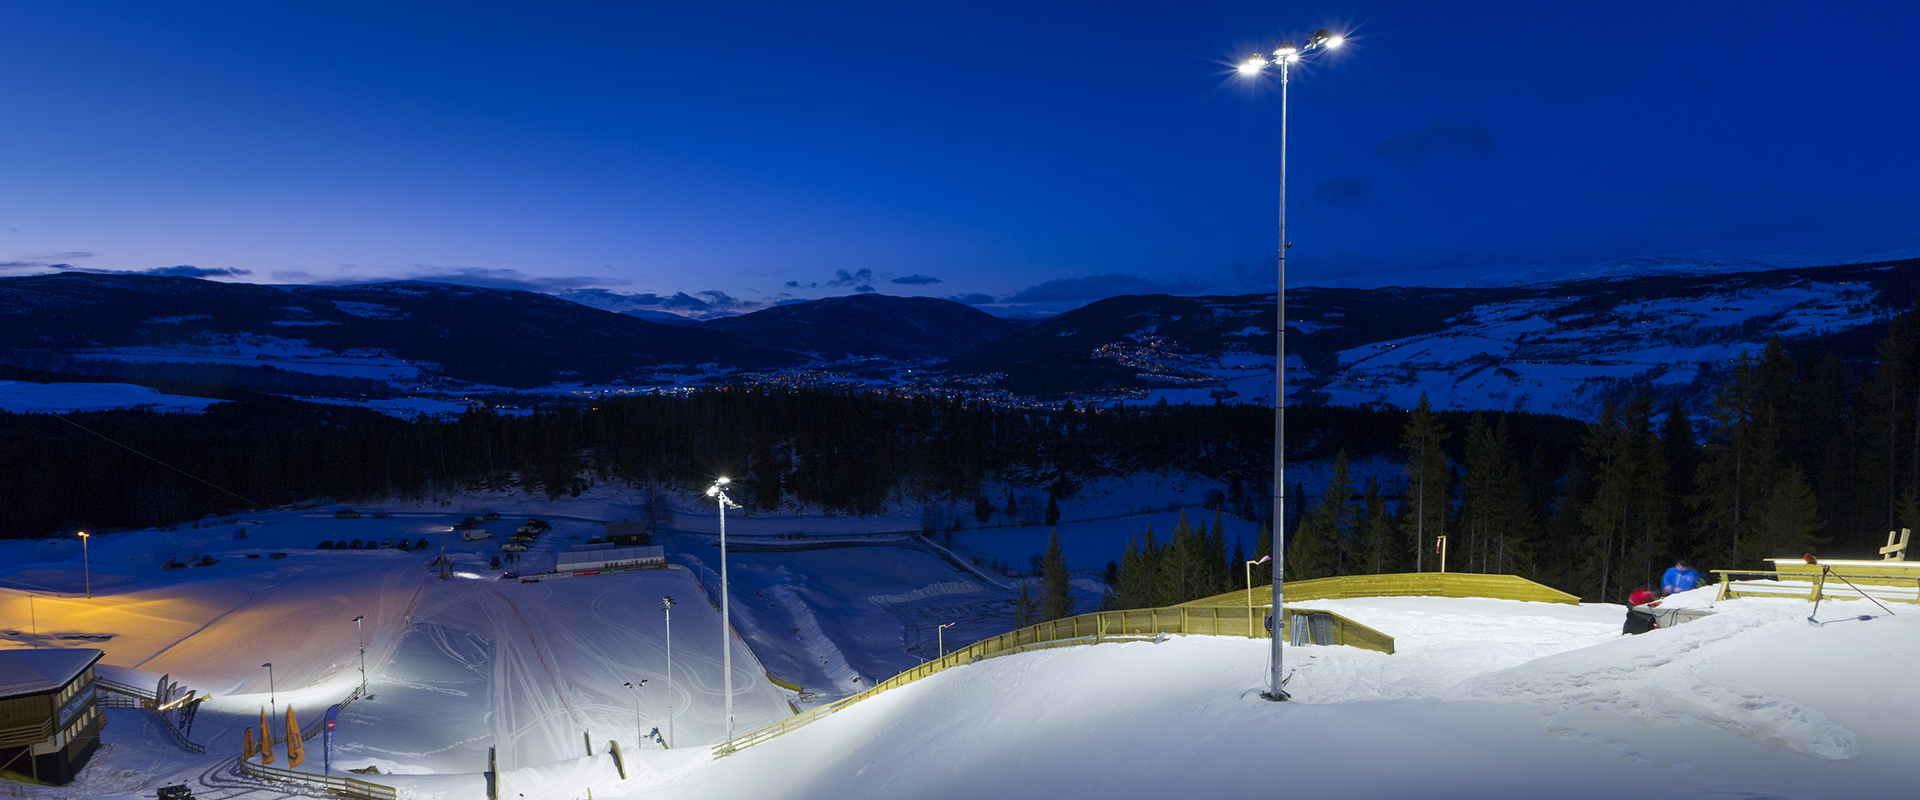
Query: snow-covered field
x=1489, y=698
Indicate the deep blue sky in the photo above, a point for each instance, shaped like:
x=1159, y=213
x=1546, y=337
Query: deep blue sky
x=1022, y=152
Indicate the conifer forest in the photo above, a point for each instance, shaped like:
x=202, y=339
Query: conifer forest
x=1794, y=453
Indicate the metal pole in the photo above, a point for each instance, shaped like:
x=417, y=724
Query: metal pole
x=272, y=703
x=1275, y=673
x=86, y=564
x=667, y=603
x=726, y=621
x=361, y=630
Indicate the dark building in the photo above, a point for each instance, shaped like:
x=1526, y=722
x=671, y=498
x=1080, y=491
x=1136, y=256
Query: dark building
x=49, y=722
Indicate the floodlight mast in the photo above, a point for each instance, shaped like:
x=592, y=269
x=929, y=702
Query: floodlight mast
x=726, y=624
x=1283, y=57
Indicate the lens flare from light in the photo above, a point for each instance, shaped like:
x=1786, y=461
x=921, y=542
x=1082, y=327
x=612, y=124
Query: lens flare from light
x=1252, y=66
x=1334, y=42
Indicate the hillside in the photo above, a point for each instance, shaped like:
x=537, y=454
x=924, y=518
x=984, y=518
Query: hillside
x=904, y=329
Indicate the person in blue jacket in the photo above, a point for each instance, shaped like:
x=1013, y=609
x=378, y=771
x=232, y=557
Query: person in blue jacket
x=1679, y=578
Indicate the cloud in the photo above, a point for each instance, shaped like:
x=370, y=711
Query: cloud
x=482, y=277
x=975, y=299
x=917, y=280
x=1446, y=137
x=191, y=271
x=844, y=278
x=1096, y=287
x=48, y=261
x=699, y=305
x=1344, y=191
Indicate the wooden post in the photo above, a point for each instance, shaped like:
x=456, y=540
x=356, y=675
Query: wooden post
x=1896, y=551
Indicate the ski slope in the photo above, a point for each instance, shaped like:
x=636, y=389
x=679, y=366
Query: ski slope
x=1491, y=698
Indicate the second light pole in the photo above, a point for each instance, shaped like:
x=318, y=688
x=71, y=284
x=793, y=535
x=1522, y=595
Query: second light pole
x=1284, y=57
x=726, y=622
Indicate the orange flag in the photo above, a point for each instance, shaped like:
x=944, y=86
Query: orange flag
x=266, y=739
x=296, y=749
x=247, y=750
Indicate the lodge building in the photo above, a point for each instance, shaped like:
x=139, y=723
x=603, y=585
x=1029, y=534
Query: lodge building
x=49, y=721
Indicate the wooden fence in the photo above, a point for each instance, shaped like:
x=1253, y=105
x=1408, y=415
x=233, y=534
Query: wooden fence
x=1105, y=626
x=1403, y=584
x=1793, y=577
x=337, y=784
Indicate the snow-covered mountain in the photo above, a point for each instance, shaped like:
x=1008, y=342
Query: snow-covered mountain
x=1561, y=347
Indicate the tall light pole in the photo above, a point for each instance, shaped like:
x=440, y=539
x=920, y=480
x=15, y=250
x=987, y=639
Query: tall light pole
x=86, y=565
x=638, y=737
x=271, y=703
x=726, y=621
x=666, y=604
x=1284, y=57
x=357, y=628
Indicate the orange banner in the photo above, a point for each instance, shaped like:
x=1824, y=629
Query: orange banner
x=296, y=749
x=266, y=739
x=247, y=748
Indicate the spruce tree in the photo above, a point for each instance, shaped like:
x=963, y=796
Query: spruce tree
x=1024, y=613
x=1053, y=510
x=1058, y=600
x=1789, y=519
x=1424, y=507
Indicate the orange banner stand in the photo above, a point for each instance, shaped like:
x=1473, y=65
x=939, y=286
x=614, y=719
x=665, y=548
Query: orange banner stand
x=296, y=749
x=266, y=739
x=247, y=748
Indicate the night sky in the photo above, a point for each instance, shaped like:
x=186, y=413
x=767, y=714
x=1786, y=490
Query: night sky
x=719, y=157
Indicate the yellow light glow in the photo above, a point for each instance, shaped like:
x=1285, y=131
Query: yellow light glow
x=723, y=481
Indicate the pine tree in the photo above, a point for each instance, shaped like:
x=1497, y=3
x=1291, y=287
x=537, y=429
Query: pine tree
x=1058, y=601
x=1053, y=510
x=1789, y=520
x=1024, y=613
x=1424, y=507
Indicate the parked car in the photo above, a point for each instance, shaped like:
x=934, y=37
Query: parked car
x=511, y=547
x=509, y=575
x=339, y=544
x=405, y=545
x=381, y=515
x=386, y=542
x=276, y=555
x=421, y=545
x=355, y=545
x=474, y=535
x=325, y=544
x=491, y=516
x=344, y=514
x=208, y=561
x=495, y=564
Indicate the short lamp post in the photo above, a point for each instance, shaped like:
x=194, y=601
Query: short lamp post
x=1283, y=57
x=86, y=565
x=638, y=736
x=357, y=628
x=666, y=604
x=1440, y=547
x=1250, y=566
x=726, y=621
x=943, y=638
x=272, y=703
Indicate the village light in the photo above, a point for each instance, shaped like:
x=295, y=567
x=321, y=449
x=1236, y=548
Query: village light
x=726, y=621
x=1283, y=57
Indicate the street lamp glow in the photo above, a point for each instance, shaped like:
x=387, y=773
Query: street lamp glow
x=1252, y=65
x=1334, y=42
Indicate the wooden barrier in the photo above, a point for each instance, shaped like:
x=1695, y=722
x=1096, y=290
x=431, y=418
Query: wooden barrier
x=337, y=784
x=1403, y=584
x=1103, y=626
x=1794, y=577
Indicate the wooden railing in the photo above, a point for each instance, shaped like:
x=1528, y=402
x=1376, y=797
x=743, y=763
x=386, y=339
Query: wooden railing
x=27, y=734
x=1809, y=584
x=1085, y=629
x=338, y=784
x=1401, y=584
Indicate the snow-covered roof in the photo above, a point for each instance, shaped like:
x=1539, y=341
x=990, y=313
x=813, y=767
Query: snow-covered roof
x=36, y=671
x=581, y=556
